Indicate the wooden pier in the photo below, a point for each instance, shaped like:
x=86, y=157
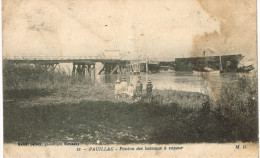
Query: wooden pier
x=80, y=66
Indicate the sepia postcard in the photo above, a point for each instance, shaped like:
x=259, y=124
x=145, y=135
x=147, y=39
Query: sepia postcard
x=130, y=78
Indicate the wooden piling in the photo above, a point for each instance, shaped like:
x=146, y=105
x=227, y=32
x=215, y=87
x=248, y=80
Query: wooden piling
x=73, y=70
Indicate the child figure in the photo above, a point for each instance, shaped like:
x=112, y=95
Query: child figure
x=141, y=83
x=124, y=87
x=149, y=89
x=117, y=89
x=130, y=90
x=138, y=90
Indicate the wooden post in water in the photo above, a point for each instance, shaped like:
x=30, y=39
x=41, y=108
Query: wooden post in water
x=89, y=71
x=83, y=70
x=73, y=70
x=79, y=69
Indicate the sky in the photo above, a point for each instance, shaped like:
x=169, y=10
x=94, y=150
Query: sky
x=156, y=28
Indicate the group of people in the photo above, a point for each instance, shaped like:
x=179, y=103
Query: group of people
x=125, y=90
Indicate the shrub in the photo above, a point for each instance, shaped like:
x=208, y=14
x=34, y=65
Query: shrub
x=30, y=76
x=237, y=111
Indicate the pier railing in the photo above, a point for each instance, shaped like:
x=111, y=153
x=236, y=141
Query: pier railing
x=98, y=57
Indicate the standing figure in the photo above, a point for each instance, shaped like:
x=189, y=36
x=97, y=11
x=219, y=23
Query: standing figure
x=130, y=90
x=117, y=89
x=141, y=83
x=138, y=90
x=124, y=86
x=149, y=89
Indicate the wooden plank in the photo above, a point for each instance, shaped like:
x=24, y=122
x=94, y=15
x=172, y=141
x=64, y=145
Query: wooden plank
x=115, y=68
x=101, y=70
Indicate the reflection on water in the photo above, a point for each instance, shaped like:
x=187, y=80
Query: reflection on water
x=182, y=81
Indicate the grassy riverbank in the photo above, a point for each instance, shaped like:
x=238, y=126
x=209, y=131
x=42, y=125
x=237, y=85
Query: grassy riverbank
x=109, y=123
x=53, y=107
x=86, y=92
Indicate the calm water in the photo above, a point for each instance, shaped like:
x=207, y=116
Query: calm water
x=204, y=83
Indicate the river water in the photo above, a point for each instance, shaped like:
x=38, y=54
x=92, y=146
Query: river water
x=206, y=83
